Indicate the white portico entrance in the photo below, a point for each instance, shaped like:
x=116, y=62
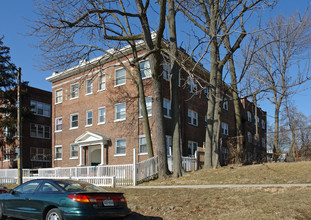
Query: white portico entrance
x=94, y=144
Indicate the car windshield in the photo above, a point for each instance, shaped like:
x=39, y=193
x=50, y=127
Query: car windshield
x=76, y=186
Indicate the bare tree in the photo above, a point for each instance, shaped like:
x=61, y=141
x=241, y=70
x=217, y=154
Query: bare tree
x=78, y=29
x=218, y=20
x=174, y=81
x=284, y=48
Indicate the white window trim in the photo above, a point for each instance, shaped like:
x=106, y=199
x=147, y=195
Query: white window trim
x=57, y=146
x=37, y=129
x=140, y=114
x=56, y=96
x=98, y=122
x=146, y=77
x=169, y=140
x=76, y=157
x=101, y=75
x=170, y=108
x=72, y=128
x=72, y=98
x=86, y=86
x=56, y=131
x=192, y=116
x=115, y=148
x=225, y=105
x=142, y=136
x=225, y=128
x=115, y=112
x=115, y=78
x=192, y=143
x=86, y=118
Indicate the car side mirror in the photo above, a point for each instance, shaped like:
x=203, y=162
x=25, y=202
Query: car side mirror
x=12, y=191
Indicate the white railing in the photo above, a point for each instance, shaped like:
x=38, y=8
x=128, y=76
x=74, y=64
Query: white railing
x=188, y=163
x=109, y=181
x=123, y=173
x=147, y=169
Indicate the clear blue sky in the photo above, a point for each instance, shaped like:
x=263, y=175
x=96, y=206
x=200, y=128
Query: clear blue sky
x=24, y=55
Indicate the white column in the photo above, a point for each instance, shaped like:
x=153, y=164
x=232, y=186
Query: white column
x=80, y=158
x=102, y=156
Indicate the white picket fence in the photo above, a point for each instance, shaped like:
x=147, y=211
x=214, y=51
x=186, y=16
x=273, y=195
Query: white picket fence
x=106, y=175
x=188, y=163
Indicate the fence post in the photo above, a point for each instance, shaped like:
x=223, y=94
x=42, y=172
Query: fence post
x=134, y=167
x=114, y=181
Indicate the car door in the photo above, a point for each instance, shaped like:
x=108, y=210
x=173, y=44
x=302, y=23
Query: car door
x=19, y=204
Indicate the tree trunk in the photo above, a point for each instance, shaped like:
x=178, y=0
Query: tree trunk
x=141, y=95
x=155, y=66
x=212, y=89
x=177, y=162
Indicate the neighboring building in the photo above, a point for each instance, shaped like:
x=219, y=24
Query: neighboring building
x=96, y=116
x=36, y=132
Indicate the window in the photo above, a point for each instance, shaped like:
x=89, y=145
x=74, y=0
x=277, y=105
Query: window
x=145, y=69
x=225, y=153
x=192, y=146
x=89, y=118
x=74, y=151
x=263, y=124
x=167, y=112
x=120, y=112
x=205, y=121
x=142, y=145
x=59, y=96
x=101, y=115
x=249, y=137
x=148, y=101
x=47, y=187
x=249, y=116
x=28, y=188
x=120, y=145
x=40, y=154
x=192, y=86
x=7, y=155
x=206, y=93
x=40, y=108
x=224, y=128
x=39, y=131
x=58, y=152
x=74, y=91
x=225, y=105
x=169, y=145
x=166, y=70
x=89, y=86
x=58, y=124
x=102, y=82
x=74, y=121
x=120, y=77
x=192, y=117
x=258, y=121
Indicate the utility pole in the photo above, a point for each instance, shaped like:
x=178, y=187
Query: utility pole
x=19, y=130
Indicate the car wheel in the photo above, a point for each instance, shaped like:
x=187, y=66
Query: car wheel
x=54, y=214
x=2, y=217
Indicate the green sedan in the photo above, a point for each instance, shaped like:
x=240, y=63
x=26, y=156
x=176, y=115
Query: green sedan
x=53, y=199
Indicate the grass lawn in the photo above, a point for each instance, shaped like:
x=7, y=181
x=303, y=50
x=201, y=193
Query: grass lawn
x=228, y=203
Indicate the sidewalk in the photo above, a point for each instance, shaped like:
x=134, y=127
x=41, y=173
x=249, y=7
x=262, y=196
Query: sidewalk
x=219, y=186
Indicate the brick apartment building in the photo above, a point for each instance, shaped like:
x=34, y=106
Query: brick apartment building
x=36, y=132
x=96, y=115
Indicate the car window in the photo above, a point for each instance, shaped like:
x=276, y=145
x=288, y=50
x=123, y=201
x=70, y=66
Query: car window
x=75, y=186
x=28, y=187
x=47, y=187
